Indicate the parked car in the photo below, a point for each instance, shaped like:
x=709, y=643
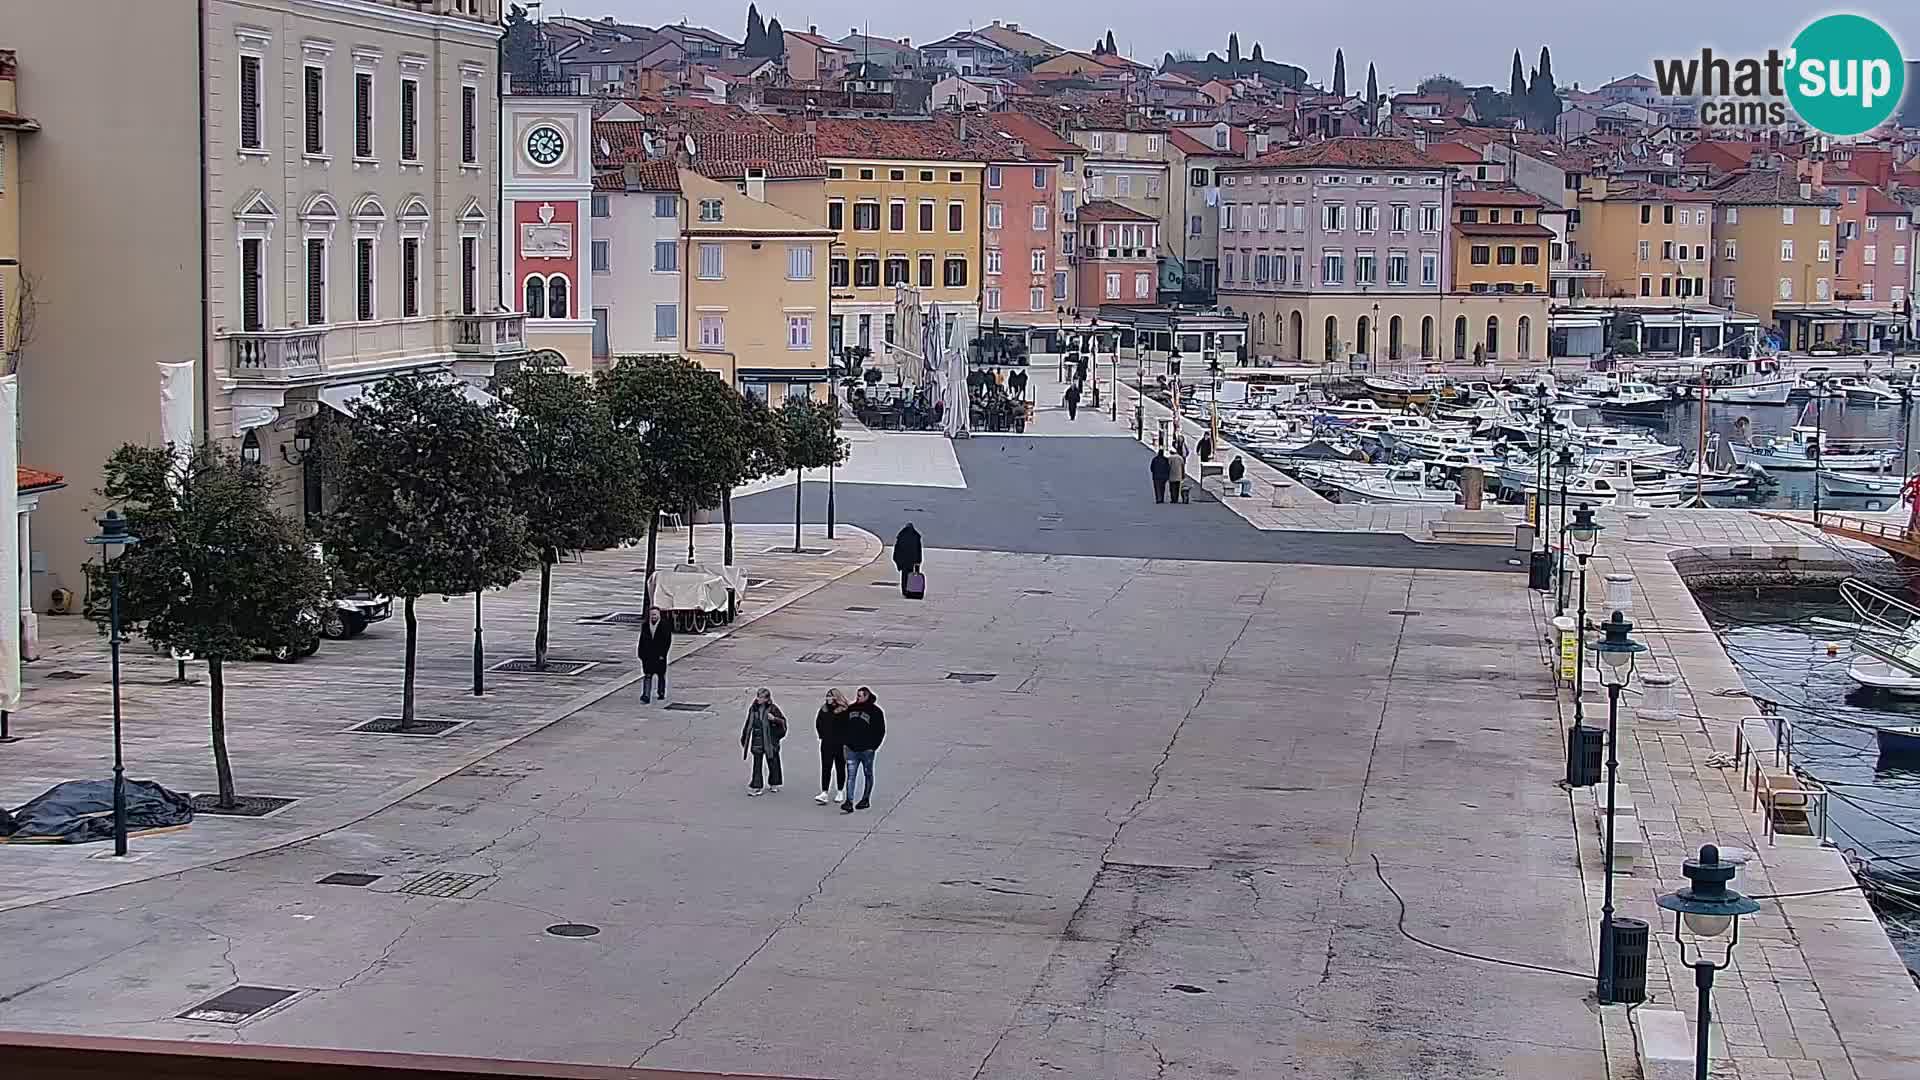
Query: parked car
x=296, y=641
x=347, y=615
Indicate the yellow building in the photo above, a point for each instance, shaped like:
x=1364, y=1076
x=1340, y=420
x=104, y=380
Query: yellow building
x=1773, y=250
x=1649, y=241
x=12, y=126
x=756, y=280
x=1499, y=244
x=904, y=203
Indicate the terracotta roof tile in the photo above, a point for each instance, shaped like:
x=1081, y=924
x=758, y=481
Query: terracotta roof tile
x=1108, y=210
x=1351, y=153
x=1191, y=144
x=1502, y=228
x=936, y=139
x=654, y=176
x=1495, y=197
x=1035, y=134
x=1765, y=187
x=728, y=155
x=29, y=478
x=1879, y=202
x=1454, y=153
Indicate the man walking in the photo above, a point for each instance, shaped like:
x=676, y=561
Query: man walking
x=1160, y=469
x=1073, y=400
x=1177, y=483
x=864, y=728
x=656, y=641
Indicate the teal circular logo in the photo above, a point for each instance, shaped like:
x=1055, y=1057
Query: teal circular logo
x=1847, y=75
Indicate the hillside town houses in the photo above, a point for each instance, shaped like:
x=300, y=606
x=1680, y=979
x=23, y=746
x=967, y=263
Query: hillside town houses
x=371, y=189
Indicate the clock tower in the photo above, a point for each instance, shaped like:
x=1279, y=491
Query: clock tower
x=546, y=180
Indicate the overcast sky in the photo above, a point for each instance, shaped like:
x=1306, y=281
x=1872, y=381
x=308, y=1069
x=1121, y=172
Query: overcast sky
x=1408, y=39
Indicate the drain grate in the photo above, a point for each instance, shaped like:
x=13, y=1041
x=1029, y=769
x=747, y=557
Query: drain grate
x=759, y=582
x=819, y=658
x=861, y=607
x=573, y=929
x=66, y=674
x=885, y=584
x=689, y=706
x=354, y=881
x=895, y=644
x=244, y=805
x=1538, y=695
x=1402, y=611
x=803, y=551
x=419, y=729
x=1189, y=988
x=564, y=669
x=972, y=676
x=443, y=883
x=238, y=1004
x=1038, y=592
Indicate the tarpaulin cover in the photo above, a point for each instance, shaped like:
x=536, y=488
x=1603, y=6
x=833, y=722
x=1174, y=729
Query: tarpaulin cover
x=81, y=811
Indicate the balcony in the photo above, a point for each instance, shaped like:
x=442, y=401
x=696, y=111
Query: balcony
x=276, y=357
x=498, y=333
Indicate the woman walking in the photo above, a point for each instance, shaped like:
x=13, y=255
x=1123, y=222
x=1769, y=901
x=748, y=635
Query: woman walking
x=830, y=723
x=766, y=726
x=907, y=555
x=656, y=641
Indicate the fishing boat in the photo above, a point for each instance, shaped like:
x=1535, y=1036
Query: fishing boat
x=1866, y=485
x=1859, y=390
x=1409, y=484
x=1899, y=745
x=1609, y=393
x=1806, y=448
x=1394, y=390
x=1355, y=408
x=1736, y=382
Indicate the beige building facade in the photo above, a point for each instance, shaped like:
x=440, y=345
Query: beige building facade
x=314, y=208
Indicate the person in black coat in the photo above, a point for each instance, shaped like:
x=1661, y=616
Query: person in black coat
x=656, y=641
x=1237, y=474
x=1206, y=448
x=829, y=723
x=1160, y=469
x=863, y=728
x=1073, y=400
x=906, y=553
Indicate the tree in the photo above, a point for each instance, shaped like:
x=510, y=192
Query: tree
x=1111, y=50
x=1543, y=98
x=764, y=445
x=776, y=46
x=576, y=490
x=756, y=42
x=218, y=571
x=1440, y=86
x=520, y=48
x=1517, y=82
x=685, y=428
x=810, y=435
x=1373, y=99
x=1257, y=58
x=424, y=481
x=1339, y=73
x=1233, y=48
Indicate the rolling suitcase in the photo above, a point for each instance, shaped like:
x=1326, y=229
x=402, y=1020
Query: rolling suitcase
x=916, y=586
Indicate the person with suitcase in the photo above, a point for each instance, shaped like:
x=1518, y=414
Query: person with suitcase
x=864, y=728
x=656, y=641
x=906, y=557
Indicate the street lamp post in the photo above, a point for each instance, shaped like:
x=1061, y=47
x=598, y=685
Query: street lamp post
x=1560, y=594
x=1616, y=651
x=1213, y=420
x=1820, y=391
x=1585, y=534
x=113, y=534
x=1173, y=385
x=1709, y=907
x=480, y=650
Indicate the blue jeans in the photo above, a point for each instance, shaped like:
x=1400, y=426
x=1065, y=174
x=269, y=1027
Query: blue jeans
x=856, y=759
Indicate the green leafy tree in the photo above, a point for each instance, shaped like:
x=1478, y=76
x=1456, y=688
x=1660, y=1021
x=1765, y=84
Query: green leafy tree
x=1339, y=73
x=424, y=481
x=1233, y=48
x=1440, y=86
x=576, y=491
x=217, y=572
x=765, y=450
x=756, y=42
x=810, y=433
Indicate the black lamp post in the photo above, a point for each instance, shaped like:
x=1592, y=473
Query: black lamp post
x=113, y=535
x=1709, y=907
x=1616, y=651
x=1820, y=391
x=1560, y=596
x=1173, y=384
x=1585, y=534
x=480, y=649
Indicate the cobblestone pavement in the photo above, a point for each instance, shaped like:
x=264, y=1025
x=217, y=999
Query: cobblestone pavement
x=287, y=724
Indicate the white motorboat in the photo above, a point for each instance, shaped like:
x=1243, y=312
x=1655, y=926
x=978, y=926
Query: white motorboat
x=1865, y=485
x=1353, y=408
x=1613, y=394
x=1867, y=390
x=1886, y=639
x=1410, y=483
x=1806, y=448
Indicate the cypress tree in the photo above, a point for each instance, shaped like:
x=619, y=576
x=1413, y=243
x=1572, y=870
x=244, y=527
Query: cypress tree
x=776, y=44
x=1517, y=86
x=1233, y=48
x=1339, y=73
x=1111, y=50
x=1257, y=58
x=1543, y=95
x=1373, y=98
x=756, y=33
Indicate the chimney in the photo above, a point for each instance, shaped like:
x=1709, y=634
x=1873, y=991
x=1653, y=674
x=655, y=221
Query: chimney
x=813, y=120
x=962, y=117
x=1806, y=191
x=996, y=22
x=812, y=29
x=1263, y=139
x=1019, y=150
x=630, y=175
x=756, y=184
x=1014, y=26
x=1254, y=135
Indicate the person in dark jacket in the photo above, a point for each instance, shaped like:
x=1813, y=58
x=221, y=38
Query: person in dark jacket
x=766, y=726
x=1160, y=469
x=828, y=724
x=1205, y=448
x=656, y=641
x=906, y=553
x=864, y=728
x=1018, y=384
x=1237, y=475
x=1073, y=400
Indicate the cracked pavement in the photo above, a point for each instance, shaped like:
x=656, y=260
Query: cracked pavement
x=1143, y=850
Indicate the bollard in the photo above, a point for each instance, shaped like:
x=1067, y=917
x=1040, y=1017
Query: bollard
x=1637, y=524
x=1473, y=485
x=1620, y=593
x=1656, y=698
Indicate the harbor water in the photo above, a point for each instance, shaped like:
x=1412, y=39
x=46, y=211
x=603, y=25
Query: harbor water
x=1781, y=654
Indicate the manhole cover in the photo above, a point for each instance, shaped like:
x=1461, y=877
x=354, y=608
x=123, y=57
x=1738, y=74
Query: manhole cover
x=244, y=805
x=443, y=883
x=819, y=658
x=238, y=1004
x=419, y=729
x=573, y=929
x=66, y=674
x=1189, y=988
x=1402, y=611
x=689, y=706
x=972, y=676
x=560, y=668
x=356, y=881
x=861, y=607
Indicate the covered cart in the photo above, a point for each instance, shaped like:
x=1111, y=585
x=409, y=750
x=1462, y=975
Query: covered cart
x=695, y=595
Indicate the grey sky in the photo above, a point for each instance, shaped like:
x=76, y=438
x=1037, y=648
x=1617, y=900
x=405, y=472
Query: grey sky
x=1408, y=39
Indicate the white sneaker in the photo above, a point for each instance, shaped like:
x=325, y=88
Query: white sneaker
x=834, y=796
x=821, y=798
x=773, y=787
x=753, y=791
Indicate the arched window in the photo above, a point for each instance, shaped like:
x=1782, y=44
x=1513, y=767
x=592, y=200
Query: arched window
x=1493, y=336
x=1333, y=338
x=536, y=296
x=1260, y=329
x=1426, y=338
x=1393, y=338
x=1360, y=335
x=557, y=297
x=1297, y=328
x=1460, y=337
x=1525, y=341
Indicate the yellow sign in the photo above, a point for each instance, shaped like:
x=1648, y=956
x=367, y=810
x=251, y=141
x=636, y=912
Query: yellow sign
x=1533, y=511
x=1568, y=655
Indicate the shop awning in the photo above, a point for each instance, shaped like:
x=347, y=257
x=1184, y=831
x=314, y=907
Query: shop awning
x=345, y=398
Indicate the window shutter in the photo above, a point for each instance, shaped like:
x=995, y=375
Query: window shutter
x=409, y=120
x=362, y=115
x=410, y=276
x=250, y=102
x=363, y=279
x=469, y=108
x=315, y=115
x=469, y=268
x=250, y=285
x=316, y=282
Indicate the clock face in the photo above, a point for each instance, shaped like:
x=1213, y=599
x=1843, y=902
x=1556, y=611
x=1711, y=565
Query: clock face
x=545, y=145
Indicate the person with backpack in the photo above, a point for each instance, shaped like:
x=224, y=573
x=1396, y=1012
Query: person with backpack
x=906, y=556
x=656, y=641
x=766, y=726
x=864, y=728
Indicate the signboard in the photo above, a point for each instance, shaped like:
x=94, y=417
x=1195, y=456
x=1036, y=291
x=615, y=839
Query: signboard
x=1569, y=643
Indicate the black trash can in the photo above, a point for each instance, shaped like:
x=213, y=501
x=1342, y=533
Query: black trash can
x=1584, y=747
x=1629, y=961
x=1540, y=572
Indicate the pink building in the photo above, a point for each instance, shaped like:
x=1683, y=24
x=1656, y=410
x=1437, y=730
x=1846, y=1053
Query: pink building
x=1875, y=246
x=1024, y=277
x=1118, y=255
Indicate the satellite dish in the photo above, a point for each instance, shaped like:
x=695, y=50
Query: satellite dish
x=687, y=141
x=606, y=148
x=649, y=144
